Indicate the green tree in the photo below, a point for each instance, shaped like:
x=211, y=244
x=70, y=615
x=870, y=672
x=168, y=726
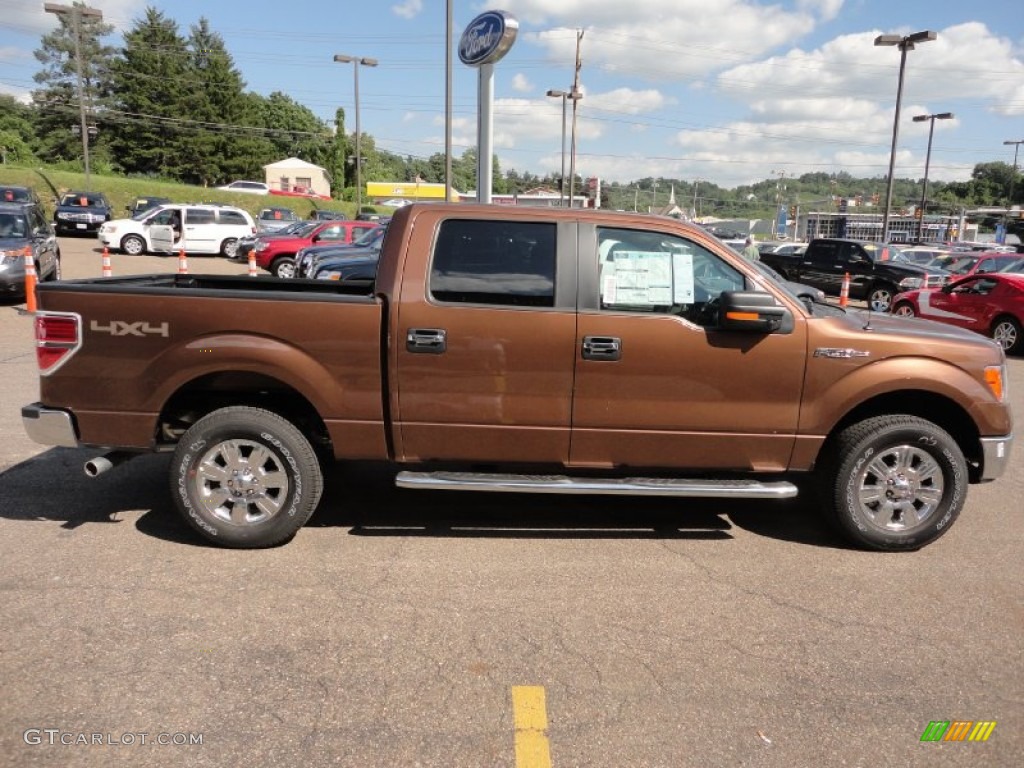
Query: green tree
x=57, y=105
x=338, y=155
x=216, y=104
x=16, y=132
x=294, y=131
x=153, y=88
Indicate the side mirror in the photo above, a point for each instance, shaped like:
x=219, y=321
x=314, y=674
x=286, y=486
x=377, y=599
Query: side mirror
x=753, y=312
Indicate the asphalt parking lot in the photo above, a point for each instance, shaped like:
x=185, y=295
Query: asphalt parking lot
x=405, y=628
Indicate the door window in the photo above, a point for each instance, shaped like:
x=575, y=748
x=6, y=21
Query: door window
x=508, y=263
x=641, y=271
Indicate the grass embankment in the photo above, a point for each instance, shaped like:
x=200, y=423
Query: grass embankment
x=121, y=190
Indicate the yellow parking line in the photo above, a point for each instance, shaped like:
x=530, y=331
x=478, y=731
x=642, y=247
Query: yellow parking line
x=531, y=721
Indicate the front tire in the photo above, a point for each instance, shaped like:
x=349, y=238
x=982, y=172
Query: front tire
x=898, y=482
x=245, y=478
x=904, y=309
x=133, y=245
x=283, y=267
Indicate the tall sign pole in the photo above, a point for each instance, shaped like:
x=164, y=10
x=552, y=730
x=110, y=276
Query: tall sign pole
x=485, y=40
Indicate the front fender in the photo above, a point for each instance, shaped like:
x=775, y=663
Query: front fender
x=836, y=387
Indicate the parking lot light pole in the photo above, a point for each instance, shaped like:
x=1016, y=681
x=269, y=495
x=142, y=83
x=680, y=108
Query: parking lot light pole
x=1013, y=178
x=366, y=62
x=905, y=43
x=564, y=96
x=77, y=12
x=927, y=163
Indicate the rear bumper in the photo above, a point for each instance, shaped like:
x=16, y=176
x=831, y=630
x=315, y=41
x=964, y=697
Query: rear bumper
x=995, y=453
x=49, y=426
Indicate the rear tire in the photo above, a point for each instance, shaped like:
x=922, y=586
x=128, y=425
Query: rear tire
x=245, y=478
x=1006, y=332
x=880, y=297
x=229, y=248
x=896, y=482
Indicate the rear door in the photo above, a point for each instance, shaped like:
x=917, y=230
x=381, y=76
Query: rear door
x=200, y=231
x=485, y=340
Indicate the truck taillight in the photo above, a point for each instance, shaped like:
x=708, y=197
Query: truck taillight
x=58, y=337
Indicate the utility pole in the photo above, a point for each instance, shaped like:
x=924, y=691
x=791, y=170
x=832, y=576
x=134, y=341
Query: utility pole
x=576, y=96
x=77, y=12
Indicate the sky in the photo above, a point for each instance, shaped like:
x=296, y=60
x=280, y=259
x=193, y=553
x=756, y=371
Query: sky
x=727, y=91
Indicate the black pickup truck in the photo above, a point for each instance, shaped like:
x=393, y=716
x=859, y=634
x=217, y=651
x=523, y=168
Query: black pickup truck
x=876, y=271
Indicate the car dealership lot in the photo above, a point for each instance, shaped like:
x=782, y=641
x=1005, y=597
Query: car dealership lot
x=393, y=629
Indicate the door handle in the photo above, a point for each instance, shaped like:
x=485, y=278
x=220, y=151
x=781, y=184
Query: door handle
x=426, y=341
x=602, y=348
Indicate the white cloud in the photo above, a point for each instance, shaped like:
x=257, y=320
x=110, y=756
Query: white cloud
x=521, y=84
x=409, y=9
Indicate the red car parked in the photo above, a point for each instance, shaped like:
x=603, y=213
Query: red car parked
x=991, y=304
x=964, y=264
x=277, y=255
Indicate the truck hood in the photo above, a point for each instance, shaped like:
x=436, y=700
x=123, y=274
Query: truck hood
x=911, y=328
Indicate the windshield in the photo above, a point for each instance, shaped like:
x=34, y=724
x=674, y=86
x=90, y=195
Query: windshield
x=13, y=225
x=81, y=201
x=1016, y=265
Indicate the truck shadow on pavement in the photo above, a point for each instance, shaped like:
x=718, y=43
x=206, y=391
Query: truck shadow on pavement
x=52, y=486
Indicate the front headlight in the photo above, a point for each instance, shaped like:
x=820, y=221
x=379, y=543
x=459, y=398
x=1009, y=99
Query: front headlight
x=910, y=283
x=261, y=245
x=11, y=256
x=329, y=274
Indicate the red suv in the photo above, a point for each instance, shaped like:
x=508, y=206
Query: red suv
x=277, y=256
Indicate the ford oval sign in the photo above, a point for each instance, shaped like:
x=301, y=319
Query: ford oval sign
x=487, y=38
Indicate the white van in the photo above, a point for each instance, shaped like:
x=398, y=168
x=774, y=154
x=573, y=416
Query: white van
x=197, y=228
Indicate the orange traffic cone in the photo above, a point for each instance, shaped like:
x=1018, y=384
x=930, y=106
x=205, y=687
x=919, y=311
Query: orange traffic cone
x=107, y=271
x=30, y=281
x=844, y=291
x=182, y=263
x=253, y=272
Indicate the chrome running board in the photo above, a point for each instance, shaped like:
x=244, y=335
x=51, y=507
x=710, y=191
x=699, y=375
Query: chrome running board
x=630, y=486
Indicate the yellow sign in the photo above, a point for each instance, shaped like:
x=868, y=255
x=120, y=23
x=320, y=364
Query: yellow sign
x=406, y=190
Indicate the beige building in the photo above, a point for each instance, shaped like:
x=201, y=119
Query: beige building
x=295, y=175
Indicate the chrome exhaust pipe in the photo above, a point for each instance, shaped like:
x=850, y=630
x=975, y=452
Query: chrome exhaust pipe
x=100, y=464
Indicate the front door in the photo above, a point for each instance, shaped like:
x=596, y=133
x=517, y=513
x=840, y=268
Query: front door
x=485, y=361
x=656, y=384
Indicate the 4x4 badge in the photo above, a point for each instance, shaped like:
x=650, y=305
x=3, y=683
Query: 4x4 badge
x=123, y=328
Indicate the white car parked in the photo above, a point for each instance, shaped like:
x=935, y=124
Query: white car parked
x=169, y=228
x=252, y=187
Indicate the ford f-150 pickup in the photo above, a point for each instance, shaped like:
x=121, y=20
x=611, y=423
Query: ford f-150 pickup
x=526, y=350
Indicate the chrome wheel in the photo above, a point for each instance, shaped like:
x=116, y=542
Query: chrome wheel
x=1006, y=333
x=284, y=268
x=904, y=310
x=229, y=248
x=242, y=482
x=880, y=299
x=133, y=245
x=900, y=488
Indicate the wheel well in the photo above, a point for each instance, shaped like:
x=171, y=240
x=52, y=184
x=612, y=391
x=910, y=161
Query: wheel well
x=212, y=392
x=937, y=409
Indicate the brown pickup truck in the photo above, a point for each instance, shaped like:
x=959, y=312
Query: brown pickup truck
x=530, y=350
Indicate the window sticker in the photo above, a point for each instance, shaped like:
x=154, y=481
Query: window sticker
x=639, y=278
x=682, y=278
